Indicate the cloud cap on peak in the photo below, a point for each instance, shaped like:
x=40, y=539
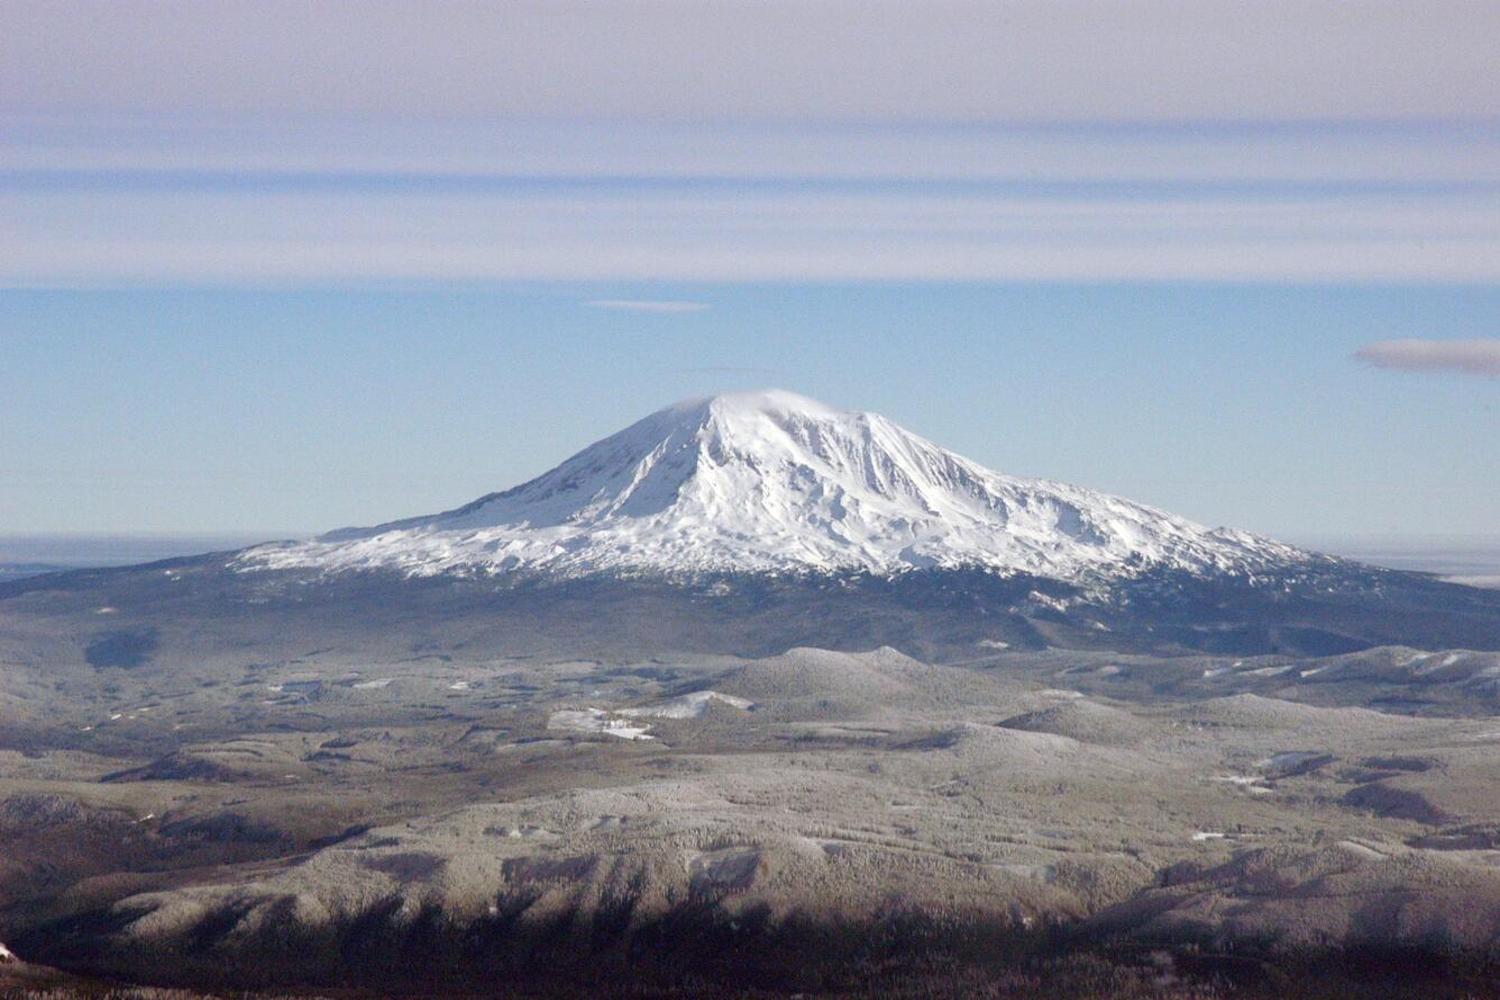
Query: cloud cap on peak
x=1467, y=357
x=757, y=401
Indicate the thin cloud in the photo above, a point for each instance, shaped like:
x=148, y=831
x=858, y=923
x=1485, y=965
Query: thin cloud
x=664, y=306
x=1466, y=357
x=856, y=61
x=63, y=229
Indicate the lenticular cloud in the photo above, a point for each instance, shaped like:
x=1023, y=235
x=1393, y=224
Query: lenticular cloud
x=1469, y=357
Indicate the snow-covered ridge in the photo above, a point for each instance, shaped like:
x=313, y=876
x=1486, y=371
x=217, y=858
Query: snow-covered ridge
x=772, y=482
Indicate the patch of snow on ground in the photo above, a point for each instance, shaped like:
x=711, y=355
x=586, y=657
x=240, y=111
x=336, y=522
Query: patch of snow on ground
x=1482, y=582
x=1431, y=665
x=1249, y=783
x=688, y=706
x=1047, y=601
x=596, y=720
x=371, y=685
x=1203, y=835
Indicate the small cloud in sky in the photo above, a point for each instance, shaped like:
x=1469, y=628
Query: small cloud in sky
x=665, y=306
x=1467, y=357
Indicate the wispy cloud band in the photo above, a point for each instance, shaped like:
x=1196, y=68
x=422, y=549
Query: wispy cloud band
x=201, y=206
x=245, y=238
x=164, y=151
x=1468, y=357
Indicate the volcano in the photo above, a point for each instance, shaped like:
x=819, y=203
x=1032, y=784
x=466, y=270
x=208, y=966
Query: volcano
x=748, y=524
x=775, y=483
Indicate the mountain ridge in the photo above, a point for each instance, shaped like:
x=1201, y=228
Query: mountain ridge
x=775, y=483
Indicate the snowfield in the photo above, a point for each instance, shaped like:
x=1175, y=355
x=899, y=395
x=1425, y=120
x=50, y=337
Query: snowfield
x=772, y=482
x=688, y=706
x=596, y=720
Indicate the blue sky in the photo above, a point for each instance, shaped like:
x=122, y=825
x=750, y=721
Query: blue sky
x=283, y=267
x=210, y=409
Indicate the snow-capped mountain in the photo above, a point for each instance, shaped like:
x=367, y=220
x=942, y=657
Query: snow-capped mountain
x=773, y=482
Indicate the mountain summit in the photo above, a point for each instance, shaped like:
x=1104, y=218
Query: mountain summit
x=773, y=482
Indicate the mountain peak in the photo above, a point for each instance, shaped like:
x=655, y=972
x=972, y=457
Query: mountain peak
x=774, y=482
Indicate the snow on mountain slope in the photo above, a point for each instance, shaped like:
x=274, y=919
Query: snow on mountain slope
x=773, y=482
